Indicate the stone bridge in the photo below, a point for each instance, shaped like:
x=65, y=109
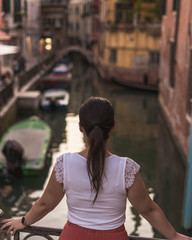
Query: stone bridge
x=86, y=53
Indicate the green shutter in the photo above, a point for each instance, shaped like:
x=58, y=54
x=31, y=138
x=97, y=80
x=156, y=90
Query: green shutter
x=17, y=10
x=6, y=6
x=25, y=7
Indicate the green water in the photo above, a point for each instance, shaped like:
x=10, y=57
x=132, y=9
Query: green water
x=139, y=133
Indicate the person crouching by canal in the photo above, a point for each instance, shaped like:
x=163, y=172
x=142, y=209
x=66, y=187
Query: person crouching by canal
x=97, y=184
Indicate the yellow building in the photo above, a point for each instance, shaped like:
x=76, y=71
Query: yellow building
x=129, y=46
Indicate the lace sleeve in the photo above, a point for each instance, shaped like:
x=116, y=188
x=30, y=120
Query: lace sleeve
x=59, y=169
x=131, y=169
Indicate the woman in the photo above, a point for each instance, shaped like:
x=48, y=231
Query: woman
x=97, y=184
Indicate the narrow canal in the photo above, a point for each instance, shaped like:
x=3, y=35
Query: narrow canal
x=140, y=133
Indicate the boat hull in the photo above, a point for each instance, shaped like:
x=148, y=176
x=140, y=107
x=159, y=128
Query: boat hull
x=59, y=78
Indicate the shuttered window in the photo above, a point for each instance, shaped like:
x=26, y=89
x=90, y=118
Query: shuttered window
x=6, y=6
x=164, y=4
x=172, y=64
x=17, y=11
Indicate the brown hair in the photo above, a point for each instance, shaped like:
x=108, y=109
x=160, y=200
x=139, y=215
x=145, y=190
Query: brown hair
x=97, y=118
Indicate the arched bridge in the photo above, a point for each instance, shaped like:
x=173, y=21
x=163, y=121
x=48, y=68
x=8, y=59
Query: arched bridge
x=86, y=53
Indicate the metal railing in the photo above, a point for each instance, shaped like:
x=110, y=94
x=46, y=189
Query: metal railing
x=32, y=231
x=47, y=233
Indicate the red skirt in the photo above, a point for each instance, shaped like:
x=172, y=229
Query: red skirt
x=74, y=232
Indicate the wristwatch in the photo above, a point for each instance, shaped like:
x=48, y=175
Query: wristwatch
x=23, y=221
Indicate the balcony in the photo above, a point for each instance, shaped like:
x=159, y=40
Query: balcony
x=52, y=3
x=151, y=29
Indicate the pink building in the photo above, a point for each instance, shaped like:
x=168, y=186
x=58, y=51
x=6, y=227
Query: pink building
x=176, y=70
x=2, y=24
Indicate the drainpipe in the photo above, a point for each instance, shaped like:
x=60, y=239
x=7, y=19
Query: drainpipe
x=187, y=209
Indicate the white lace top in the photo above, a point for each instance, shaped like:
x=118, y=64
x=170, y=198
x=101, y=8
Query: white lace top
x=131, y=169
x=108, y=211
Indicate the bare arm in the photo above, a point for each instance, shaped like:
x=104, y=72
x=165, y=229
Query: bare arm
x=141, y=201
x=51, y=197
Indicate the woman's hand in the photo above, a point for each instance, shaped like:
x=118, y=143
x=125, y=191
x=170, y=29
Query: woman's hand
x=12, y=224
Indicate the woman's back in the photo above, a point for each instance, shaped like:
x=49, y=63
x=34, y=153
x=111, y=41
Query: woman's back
x=108, y=211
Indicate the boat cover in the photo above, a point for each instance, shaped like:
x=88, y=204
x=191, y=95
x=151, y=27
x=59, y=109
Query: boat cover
x=32, y=141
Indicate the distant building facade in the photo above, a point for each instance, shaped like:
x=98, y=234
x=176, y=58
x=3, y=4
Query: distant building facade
x=129, y=45
x=76, y=29
x=176, y=70
x=53, y=24
x=32, y=26
x=81, y=22
x=21, y=20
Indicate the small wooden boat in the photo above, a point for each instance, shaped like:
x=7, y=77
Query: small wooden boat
x=55, y=99
x=59, y=78
x=24, y=147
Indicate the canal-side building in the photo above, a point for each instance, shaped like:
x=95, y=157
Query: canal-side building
x=175, y=71
x=82, y=22
x=2, y=23
x=75, y=31
x=5, y=39
x=53, y=25
x=21, y=20
x=32, y=27
x=96, y=23
x=129, y=44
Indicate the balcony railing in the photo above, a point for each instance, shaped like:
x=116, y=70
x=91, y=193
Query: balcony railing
x=53, y=3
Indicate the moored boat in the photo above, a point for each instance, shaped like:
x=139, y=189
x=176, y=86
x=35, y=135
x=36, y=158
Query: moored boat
x=65, y=61
x=60, y=77
x=24, y=147
x=54, y=99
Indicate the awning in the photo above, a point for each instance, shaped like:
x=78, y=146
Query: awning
x=8, y=49
x=4, y=36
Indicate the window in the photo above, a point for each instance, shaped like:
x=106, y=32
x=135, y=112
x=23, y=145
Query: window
x=154, y=57
x=175, y=2
x=58, y=23
x=113, y=55
x=164, y=5
x=77, y=26
x=124, y=13
x=77, y=11
x=71, y=26
x=17, y=11
x=6, y=6
x=172, y=64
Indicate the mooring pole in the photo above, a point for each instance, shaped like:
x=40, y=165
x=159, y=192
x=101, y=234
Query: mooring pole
x=187, y=208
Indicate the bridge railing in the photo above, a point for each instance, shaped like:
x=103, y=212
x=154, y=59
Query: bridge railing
x=49, y=233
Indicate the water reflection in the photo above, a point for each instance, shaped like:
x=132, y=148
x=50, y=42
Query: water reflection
x=14, y=197
x=170, y=175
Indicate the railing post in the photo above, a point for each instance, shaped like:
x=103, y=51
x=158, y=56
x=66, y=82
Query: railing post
x=187, y=208
x=16, y=236
x=1, y=213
